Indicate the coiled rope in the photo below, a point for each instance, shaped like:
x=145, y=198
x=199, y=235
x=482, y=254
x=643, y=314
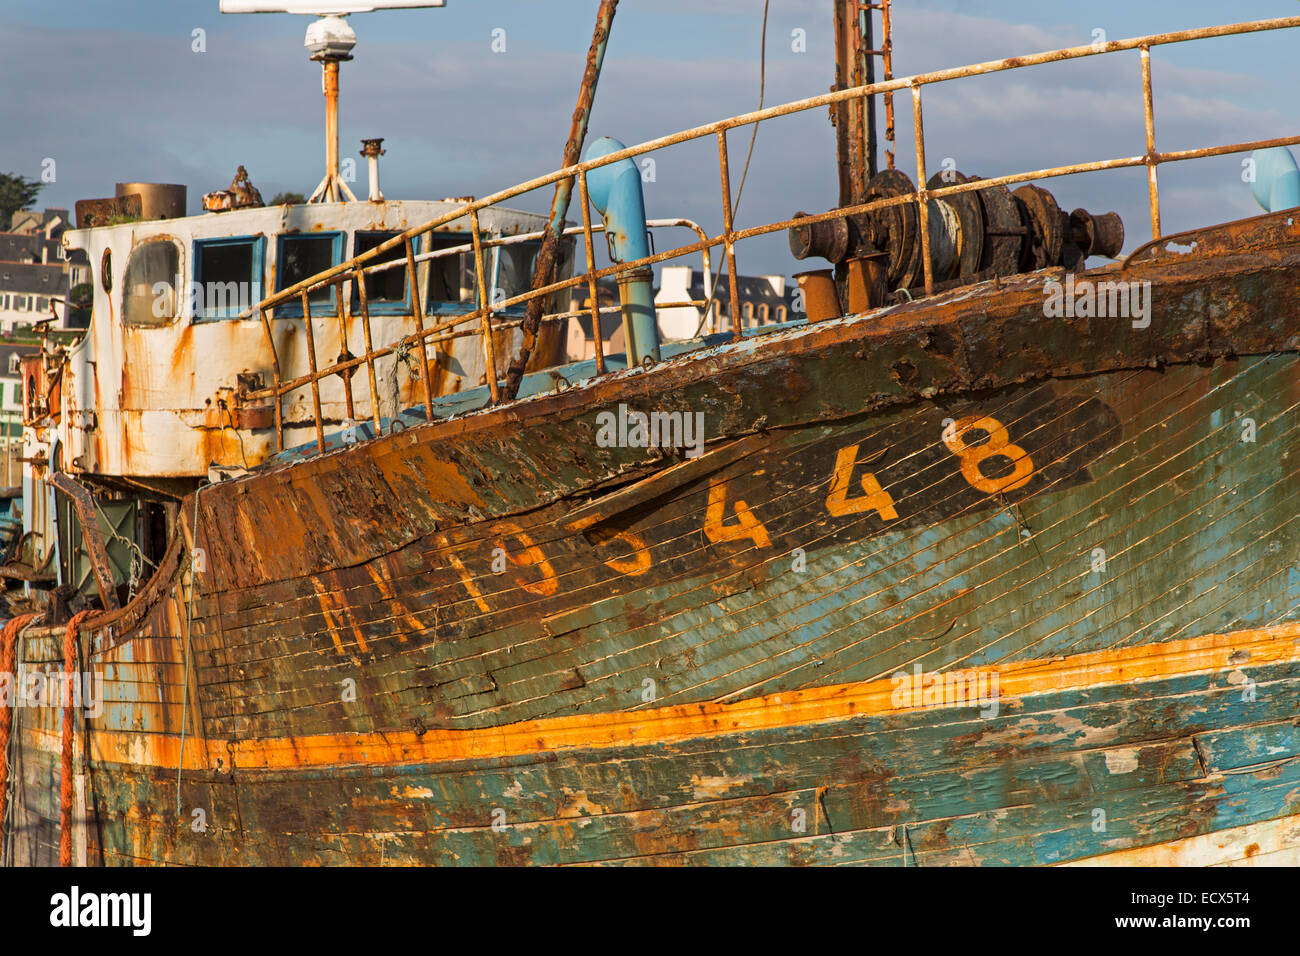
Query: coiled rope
x=8, y=657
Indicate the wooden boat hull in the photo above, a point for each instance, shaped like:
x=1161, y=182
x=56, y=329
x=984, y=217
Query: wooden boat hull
x=496, y=639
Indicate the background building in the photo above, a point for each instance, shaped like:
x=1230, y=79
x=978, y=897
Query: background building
x=764, y=300
x=11, y=411
x=37, y=273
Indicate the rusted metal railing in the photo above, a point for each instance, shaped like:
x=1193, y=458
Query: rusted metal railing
x=357, y=268
x=887, y=63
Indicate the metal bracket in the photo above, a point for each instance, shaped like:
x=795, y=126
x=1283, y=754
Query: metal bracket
x=94, y=543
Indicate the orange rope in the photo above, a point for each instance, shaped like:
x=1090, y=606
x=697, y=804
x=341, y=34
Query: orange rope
x=8, y=654
x=65, y=787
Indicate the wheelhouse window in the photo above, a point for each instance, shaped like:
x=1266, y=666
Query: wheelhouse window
x=151, y=287
x=451, y=277
x=515, y=271
x=386, y=291
x=301, y=257
x=515, y=264
x=508, y=269
x=227, y=276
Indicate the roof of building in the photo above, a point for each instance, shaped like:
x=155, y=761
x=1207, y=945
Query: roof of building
x=20, y=247
x=756, y=289
x=28, y=220
x=9, y=349
x=33, y=278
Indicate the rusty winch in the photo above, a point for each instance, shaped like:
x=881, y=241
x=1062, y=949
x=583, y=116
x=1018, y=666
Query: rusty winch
x=974, y=236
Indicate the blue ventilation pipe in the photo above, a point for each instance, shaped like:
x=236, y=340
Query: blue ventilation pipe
x=1277, y=179
x=615, y=191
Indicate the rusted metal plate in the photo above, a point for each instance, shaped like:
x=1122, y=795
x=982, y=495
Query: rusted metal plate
x=107, y=212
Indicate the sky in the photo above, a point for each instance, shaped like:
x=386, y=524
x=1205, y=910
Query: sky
x=125, y=91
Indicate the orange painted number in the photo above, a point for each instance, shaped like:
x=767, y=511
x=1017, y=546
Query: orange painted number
x=532, y=556
x=635, y=565
x=874, y=497
x=468, y=581
x=746, y=526
x=997, y=445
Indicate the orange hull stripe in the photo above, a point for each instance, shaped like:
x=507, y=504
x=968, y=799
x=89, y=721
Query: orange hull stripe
x=665, y=725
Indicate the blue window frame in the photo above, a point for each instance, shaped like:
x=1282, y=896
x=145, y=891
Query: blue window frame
x=227, y=276
x=387, y=292
x=300, y=256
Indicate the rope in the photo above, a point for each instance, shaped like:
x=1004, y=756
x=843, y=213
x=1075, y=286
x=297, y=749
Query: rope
x=185, y=675
x=135, y=570
x=65, y=781
x=403, y=352
x=231, y=418
x=762, y=91
x=8, y=648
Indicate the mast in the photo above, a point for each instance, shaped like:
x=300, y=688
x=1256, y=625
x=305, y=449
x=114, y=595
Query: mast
x=856, y=143
x=547, y=256
x=330, y=40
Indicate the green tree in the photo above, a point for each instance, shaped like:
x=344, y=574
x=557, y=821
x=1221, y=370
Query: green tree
x=295, y=199
x=81, y=295
x=16, y=192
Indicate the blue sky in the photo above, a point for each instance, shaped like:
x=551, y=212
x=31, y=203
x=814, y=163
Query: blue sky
x=113, y=91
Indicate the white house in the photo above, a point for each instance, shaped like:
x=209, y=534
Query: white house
x=764, y=300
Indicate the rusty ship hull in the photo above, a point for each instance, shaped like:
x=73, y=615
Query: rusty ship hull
x=492, y=639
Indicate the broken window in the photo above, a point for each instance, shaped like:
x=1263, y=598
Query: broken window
x=515, y=271
x=385, y=291
x=508, y=269
x=515, y=264
x=451, y=277
x=227, y=277
x=302, y=257
x=150, y=287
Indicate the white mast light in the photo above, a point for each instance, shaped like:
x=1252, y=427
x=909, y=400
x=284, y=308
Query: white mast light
x=330, y=38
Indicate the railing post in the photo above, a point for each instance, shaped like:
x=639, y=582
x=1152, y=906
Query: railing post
x=345, y=318
x=311, y=365
x=887, y=66
x=922, y=193
x=592, y=288
x=724, y=171
x=275, y=369
x=360, y=280
x=1149, y=109
x=484, y=304
x=419, y=328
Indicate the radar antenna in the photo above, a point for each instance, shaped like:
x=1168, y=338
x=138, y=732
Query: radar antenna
x=330, y=39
